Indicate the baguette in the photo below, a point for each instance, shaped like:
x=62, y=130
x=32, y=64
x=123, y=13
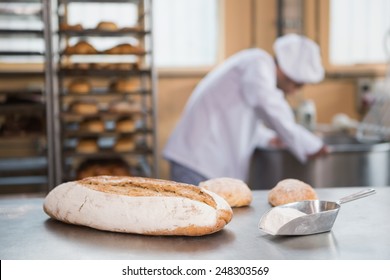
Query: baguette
x=138, y=205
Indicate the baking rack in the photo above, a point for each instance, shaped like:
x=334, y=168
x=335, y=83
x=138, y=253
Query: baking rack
x=142, y=160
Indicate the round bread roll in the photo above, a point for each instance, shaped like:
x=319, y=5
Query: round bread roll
x=107, y=26
x=234, y=191
x=68, y=27
x=124, y=85
x=81, y=47
x=124, y=49
x=99, y=167
x=87, y=146
x=124, y=107
x=290, y=190
x=125, y=144
x=92, y=125
x=84, y=108
x=138, y=205
x=80, y=66
x=125, y=125
x=81, y=86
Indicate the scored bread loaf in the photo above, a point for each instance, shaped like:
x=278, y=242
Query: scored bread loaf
x=138, y=205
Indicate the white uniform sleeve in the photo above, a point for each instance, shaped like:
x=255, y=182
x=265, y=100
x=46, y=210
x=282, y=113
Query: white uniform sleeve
x=260, y=92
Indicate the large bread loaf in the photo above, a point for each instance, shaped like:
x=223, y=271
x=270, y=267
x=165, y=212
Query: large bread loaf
x=138, y=205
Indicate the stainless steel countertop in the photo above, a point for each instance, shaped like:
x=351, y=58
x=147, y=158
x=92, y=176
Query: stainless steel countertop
x=361, y=231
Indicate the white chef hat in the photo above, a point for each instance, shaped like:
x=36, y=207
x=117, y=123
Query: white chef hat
x=299, y=58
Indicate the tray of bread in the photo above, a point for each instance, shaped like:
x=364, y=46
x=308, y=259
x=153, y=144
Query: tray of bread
x=118, y=85
x=85, y=48
x=95, y=126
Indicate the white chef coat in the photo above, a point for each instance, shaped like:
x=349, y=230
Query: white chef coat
x=221, y=124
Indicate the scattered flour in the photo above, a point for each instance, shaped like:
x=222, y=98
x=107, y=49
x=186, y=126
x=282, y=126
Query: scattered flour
x=278, y=217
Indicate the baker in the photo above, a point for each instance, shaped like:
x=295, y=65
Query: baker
x=239, y=106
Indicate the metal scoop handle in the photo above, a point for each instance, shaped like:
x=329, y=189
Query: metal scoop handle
x=355, y=196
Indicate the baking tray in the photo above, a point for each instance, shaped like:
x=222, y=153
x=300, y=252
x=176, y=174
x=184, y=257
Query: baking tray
x=103, y=72
x=97, y=1
x=21, y=32
x=107, y=153
x=102, y=33
x=103, y=92
x=108, y=133
x=22, y=146
x=25, y=109
x=21, y=53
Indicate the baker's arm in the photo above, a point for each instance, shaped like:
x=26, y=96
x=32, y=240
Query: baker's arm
x=260, y=92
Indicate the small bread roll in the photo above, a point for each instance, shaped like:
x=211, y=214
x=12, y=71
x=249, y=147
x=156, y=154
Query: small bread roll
x=81, y=66
x=92, y=125
x=81, y=86
x=125, y=144
x=81, y=47
x=87, y=146
x=107, y=26
x=124, y=85
x=290, y=190
x=84, y=108
x=124, y=107
x=68, y=27
x=124, y=49
x=138, y=205
x=234, y=191
x=125, y=125
x=99, y=167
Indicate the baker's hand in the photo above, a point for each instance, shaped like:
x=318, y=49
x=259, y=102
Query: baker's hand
x=321, y=152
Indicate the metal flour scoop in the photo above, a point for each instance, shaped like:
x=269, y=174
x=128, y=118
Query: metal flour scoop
x=305, y=217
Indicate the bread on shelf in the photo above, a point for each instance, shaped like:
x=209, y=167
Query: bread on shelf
x=124, y=84
x=87, y=146
x=84, y=107
x=68, y=27
x=80, y=86
x=125, y=144
x=99, y=167
x=94, y=124
x=124, y=107
x=125, y=48
x=126, y=125
x=107, y=26
x=121, y=66
x=81, y=47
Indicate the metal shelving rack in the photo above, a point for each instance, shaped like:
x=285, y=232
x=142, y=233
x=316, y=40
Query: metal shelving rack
x=142, y=160
x=25, y=153
x=54, y=159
